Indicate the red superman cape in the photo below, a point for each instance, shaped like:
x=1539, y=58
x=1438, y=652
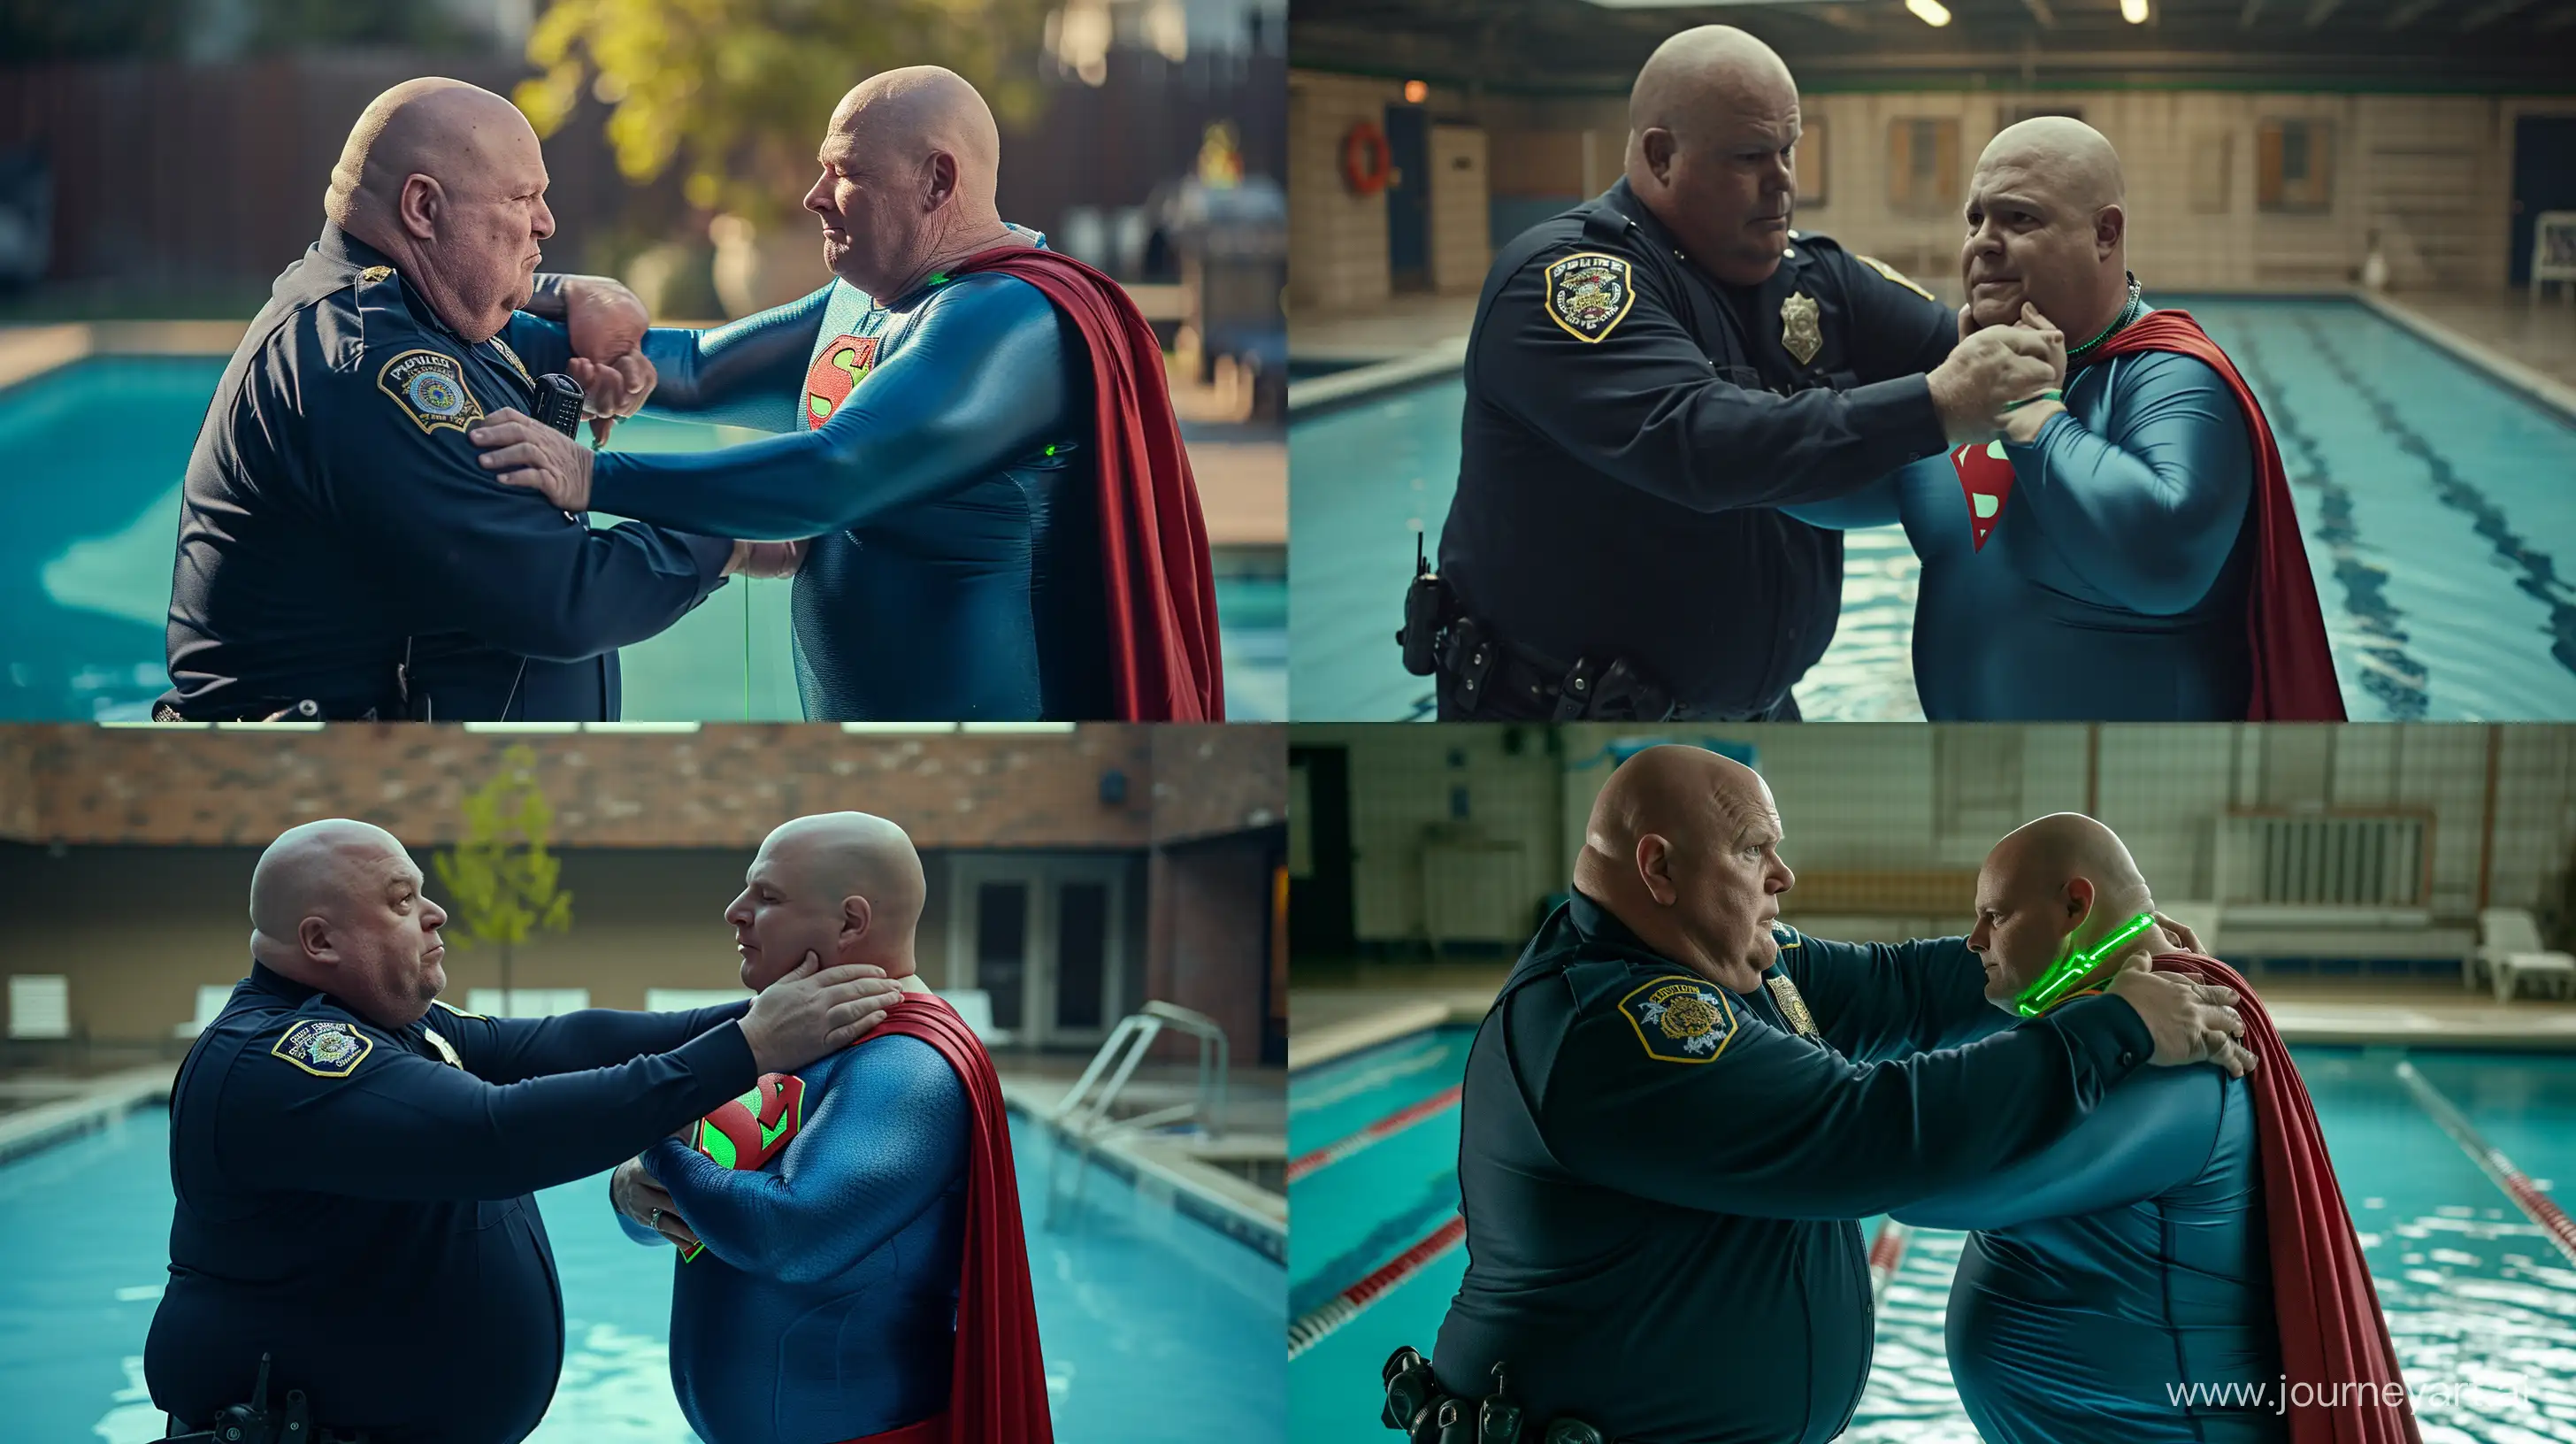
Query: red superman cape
x=997, y=1394
x=2334, y=1340
x=2294, y=678
x=1163, y=660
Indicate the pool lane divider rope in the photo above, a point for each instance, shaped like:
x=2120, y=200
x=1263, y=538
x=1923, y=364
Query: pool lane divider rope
x=1886, y=1256
x=1378, y=1132
x=2539, y=1207
x=1319, y=1323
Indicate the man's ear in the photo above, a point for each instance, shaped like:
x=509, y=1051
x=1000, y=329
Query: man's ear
x=313, y=940
x=419, y=205
x=941, y=171
x=2109, y=225
x=2080, y=898
x=1656, y=144
x=857, y=916
x=1655, y=869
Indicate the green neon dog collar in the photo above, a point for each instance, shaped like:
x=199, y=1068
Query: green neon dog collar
x=2060, y=979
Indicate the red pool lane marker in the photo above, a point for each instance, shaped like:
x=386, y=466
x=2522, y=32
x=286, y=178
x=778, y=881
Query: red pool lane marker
x=1316, y=1326
x=1886, y=1255
x=2539, y=1207
x=1378, y=1132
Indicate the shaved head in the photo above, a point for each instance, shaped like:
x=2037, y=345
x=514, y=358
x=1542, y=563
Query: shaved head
x=1683, y=848
x=2060, y=883
x=447, y=180
x=337, y=905
x=1711, y=122
x=2048, y=224
x=846, y=886
x=910, y=161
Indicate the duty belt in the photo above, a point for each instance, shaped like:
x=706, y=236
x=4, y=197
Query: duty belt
x=1428, y=1413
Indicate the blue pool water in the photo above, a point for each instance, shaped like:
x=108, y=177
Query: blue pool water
x=90, y=460
x=1155, y=1327
x=2434, y=503
x=2476, y=1298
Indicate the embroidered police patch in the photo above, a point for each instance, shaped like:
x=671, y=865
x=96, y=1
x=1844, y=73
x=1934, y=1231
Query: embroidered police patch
x=1588, y=294
x=324, y=1048
x=430, y=388
x=836, y=372
x=1893, y=274
x=1680, y=1020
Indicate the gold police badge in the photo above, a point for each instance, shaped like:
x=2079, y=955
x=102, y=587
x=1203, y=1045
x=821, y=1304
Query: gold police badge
x=1792, y=1006
x=1680, y=1020
x=446, y=1050
x=1798, y=329
x=1588, y=294
x=513, y=358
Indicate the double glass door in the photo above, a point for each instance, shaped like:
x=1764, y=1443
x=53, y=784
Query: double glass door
x=1044, y=939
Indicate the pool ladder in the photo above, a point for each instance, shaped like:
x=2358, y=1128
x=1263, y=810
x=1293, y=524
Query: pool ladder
x=1083, y=1115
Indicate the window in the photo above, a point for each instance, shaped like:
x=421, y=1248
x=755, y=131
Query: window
x=1809, y=161
x=2294, y=165
x=1923, y=166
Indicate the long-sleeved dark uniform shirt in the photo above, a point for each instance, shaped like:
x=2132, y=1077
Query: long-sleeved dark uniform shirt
x=939, y=456
x=1662, y=1179
x=355, y=1200
x=340, y=541
x=1631, y=426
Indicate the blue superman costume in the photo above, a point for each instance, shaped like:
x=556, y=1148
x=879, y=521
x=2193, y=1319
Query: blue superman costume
x=1005, y=525
x=2187, y=1235
x=863, y=1275
x=2139, y=559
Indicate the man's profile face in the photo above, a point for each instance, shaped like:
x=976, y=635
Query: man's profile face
x=2021, y=929
x=383, y=932
x=870, y=211
x=780, y=916
x=1732, y=187
x=1729, y=890
x=489, y=233
x=2024, y=243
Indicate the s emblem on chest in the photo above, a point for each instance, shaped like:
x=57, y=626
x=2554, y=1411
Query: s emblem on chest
x=1799, y=330
x=837, y=371
x=1986, y=476
x=750, y=1130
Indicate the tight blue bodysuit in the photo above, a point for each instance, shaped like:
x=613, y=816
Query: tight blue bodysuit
x=953, y=497
x=825, y=1305
x=2109, y=583
x=2116, y=1268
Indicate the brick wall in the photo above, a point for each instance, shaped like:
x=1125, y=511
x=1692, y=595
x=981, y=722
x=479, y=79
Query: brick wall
x=1207, y=945
x=1217, y=778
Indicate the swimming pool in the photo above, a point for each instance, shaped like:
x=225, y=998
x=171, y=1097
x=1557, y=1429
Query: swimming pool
x=2473, y=1291
x=93, y=456
x=2434, y=502
x=1154, y=1326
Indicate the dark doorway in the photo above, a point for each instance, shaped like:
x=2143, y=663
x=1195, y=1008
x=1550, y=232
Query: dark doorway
x=1319, y=903
x=2544, y=179
x=1408, y=198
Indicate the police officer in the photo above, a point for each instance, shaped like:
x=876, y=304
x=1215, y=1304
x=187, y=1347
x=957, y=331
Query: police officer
x=342, y=553
x=353, y=1159
x=1676, y=1111
x=1649, y=374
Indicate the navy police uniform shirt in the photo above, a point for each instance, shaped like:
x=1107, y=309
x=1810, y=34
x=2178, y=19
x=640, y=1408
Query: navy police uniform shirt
x=1661, y=1178
x=355, y=1200
x=1631, y=423
x=341, y=543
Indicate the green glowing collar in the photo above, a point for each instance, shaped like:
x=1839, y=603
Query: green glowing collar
x=2060, y=979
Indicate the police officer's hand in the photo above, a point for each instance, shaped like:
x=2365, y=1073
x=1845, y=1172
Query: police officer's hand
x=2181, y=934
x=1989, y=370
x=765, y=559
x=523, y=451
x=612, y=390
x=634, y=1192
x=2192, y=1022
x=815, y=1010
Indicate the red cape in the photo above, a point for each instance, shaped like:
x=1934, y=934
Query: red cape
x=1163, y=656
x=997, y=1394
x=2334, y=1340
x=2294, y=678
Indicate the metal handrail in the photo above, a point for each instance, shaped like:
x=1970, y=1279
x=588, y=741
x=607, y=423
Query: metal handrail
x=1084, y=1113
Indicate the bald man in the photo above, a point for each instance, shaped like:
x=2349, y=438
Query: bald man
x=2120, y=1283
x=2128, y=549
x=342, y=553
x=1651, y=375
x=852, y=1262
x=1677, y=1109
x=353, y=1158
x=980, y=444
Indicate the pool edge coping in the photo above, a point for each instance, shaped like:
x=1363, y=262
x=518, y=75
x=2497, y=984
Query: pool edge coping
x=1320, y=394
x=1204, y=1200
x=104, y=1099
x=2517, y=376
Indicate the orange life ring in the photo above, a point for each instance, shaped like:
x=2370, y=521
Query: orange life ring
x=1367, y=163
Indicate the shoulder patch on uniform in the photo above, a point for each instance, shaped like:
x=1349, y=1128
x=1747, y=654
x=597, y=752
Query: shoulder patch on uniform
x=430, y=388
x=451, y=1007
x=1589, y=293
x=1893, y=274
x=1680, y=1020
x=324, y=1047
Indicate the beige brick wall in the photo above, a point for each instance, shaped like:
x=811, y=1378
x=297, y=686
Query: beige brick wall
x=1336, y=240
x=1461, y=243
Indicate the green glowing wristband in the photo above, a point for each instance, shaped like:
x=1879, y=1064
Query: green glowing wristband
x=2060, y=979
x=2051, y=394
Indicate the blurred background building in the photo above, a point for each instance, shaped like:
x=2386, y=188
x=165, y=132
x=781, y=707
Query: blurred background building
x=162, y=160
